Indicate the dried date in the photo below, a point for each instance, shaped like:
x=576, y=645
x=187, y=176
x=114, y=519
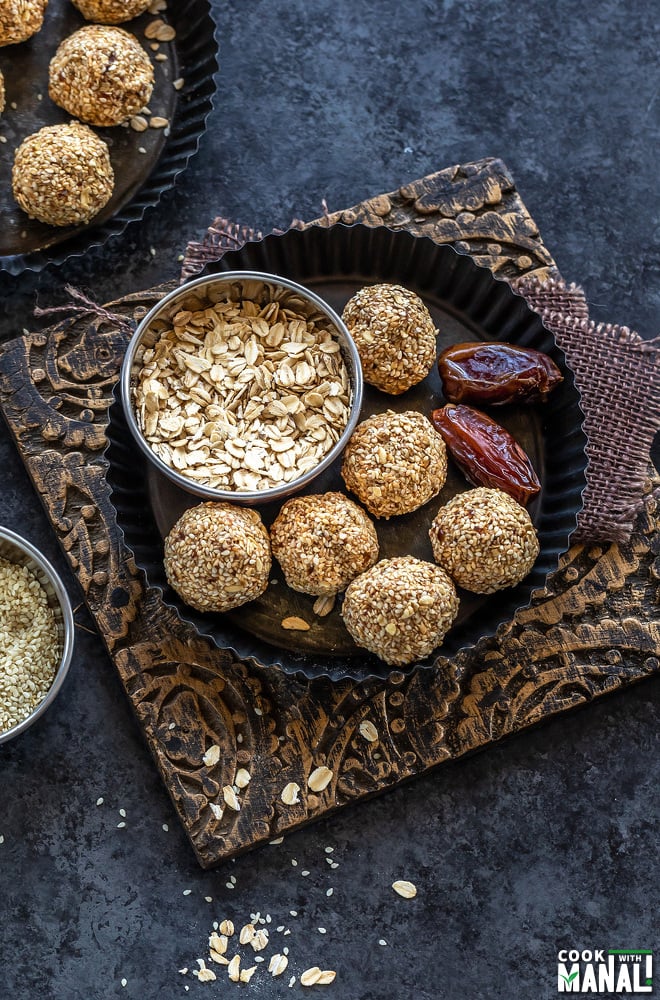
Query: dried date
x=496, y=373
x=485, y=451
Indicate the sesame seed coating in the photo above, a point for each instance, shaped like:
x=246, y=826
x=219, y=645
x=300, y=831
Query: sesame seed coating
x=394, y=335
x=110, y=11
x=62, y=174
x=323, y=542
x=484, y=540
x=217, y=556
x=395, y=462
x=20, y=19
x=101, y=75
x=400, y=609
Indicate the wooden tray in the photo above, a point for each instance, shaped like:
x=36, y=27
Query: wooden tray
x=594, y=630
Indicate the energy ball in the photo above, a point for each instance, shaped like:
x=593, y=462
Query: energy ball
x=484, y=540
x=110, y=11
x=20, y=19
x=400, y=609
x=394, y=335
x=217, y=556
x=62, y=175
x=323, y=542
x=101, y=75
x=395, y=462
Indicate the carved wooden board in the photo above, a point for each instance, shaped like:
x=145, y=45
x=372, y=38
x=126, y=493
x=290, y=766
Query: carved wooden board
x=594, y=630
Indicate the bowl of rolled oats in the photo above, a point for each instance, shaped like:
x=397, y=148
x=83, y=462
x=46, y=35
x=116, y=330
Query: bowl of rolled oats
x=36, y=634
x=242, y=386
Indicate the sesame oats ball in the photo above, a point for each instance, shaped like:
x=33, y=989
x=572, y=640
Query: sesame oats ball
x=217, y=556
x=484, y=540
x=395, y=462
x=322, y=542
x=20, y=19
x=400, y=609
x=110, y=11
x=62, y=175
x=101, y=75
x=394, y=335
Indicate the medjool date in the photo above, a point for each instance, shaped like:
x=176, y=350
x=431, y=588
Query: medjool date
x=496, y=373
x=485, y=452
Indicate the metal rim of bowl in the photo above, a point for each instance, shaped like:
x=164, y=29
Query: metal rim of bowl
x=35, y=561
x=246, y=497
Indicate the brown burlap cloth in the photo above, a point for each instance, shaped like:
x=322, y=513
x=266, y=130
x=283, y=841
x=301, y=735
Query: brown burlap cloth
x=616, y=371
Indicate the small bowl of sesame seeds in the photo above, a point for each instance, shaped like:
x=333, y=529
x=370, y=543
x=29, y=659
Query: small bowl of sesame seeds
x=36, y=634
x=241, y=386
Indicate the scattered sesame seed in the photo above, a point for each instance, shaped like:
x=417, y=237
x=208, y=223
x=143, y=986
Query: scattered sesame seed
x=292, y=981
x=258, y=711
x=120, y=826
x=304, y=873
x=280, y=928
x=278, y=840
x=99, y=801
x=293, y=913
x=229, y=885
x=3, y=138
x=335, y=864
x=232, y=878
x=2, y=838
x=329, y=850
x=209, y=899
x=186, y=892
x=294, y=862
x=382, y=942
x=152, y=251
x=172, y=725
x=124, y=982
x=122, y=812
x=321, y=930
x=166, y=827
x=329, y=892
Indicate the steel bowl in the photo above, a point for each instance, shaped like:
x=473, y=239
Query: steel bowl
x=18, y=550
x=211, y=289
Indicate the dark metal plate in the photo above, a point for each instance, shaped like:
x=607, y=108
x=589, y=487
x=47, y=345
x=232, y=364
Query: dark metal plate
x=466, y=303
x=140, y=178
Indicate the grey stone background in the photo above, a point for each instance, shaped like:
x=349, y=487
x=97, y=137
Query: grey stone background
x=547, y=841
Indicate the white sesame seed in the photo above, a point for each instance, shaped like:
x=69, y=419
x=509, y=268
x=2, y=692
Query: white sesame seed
x=329, y=850
x=120, y=826
x=293, y=913
x=122, y=813
x=321, y=930
x=293, y=862
x=382, y=942
x=209, y=899
x=99, y=801
x=124, y=982
x=329, y=892
x=166, y=827
x=186, y=892
x=278, y=840
x=304, y=873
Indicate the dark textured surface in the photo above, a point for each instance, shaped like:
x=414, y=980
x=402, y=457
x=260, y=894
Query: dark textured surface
x=547, y=841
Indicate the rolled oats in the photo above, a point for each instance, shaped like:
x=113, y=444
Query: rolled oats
x=242, y=393
x=320, y=778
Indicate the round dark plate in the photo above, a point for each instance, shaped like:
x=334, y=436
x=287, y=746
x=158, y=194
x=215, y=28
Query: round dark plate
x=140, y=177
x=466, y=303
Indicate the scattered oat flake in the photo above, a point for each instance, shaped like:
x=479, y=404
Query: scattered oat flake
x=277, y=964
x=290, y=794
x=368, y=731
x=184, y=971
x=242, y=779
x=212, y=755
x=295, y=624
x=246, y=974
x=406, y=889
x=320, y=778
x=230, y=797
x=178, y=84
x=216, y=810
x=226, y=927
x=233, y=969
x=206, y=976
